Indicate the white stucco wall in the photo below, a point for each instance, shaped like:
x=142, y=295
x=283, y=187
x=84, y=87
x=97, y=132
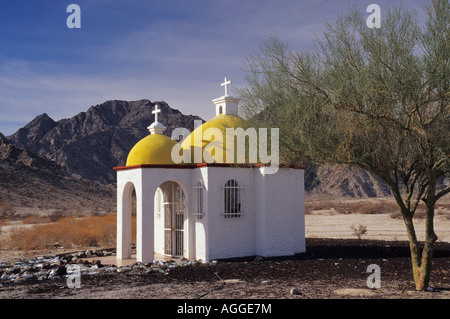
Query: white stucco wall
x=159, y=221
x=230, y=237
x=280, y=227
x=146, y=181
x=199, y=235
x=271, y=224
x=126, y=181
x=152, y=179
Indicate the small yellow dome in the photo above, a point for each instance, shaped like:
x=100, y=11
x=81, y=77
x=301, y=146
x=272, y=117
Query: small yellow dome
x=153, y=149
x=198, y=139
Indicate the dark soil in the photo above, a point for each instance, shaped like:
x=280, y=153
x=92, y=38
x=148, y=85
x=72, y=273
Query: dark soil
x=331, y=269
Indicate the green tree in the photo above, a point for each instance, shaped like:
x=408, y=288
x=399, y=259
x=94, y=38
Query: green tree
x=373, y=98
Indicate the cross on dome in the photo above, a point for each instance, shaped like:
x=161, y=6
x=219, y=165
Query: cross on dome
x=156, y=127
x=225, y=84
x=226, y=104
x=156, y=112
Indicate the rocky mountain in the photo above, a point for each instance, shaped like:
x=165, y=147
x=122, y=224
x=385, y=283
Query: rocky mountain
x=91, y=143
x=9, y=154
x=28, y=180
x=333, y=180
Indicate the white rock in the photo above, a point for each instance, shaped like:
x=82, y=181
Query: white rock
x=27, y=275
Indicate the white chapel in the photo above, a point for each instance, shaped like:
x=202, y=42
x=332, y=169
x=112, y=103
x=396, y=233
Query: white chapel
x=202, y=210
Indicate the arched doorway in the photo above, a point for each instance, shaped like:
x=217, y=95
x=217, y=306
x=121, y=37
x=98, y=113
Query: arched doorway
x=126, y=221
x=173, y=211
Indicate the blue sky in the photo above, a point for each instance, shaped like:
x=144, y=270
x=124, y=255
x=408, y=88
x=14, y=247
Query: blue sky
x=178, y=51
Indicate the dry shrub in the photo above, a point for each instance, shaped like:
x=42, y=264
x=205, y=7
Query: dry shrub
x=58, y=214
x=308, y=208
x=319, y=205
x=374, y=207
x=68, y=231
x=371, y=208
x=395, y=214
x=420, y=212
x=355, y=207
x=95, y=211
x=7, y=210
x=4, y=222
x=36, y=219
x=359, y=231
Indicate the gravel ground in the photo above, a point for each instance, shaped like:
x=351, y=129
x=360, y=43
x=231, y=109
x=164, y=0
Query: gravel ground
x=330, y=269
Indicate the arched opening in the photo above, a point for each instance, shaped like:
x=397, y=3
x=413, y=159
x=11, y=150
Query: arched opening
x=126, y=222
x=172, y=208
x=220, y=110
x=133, y=220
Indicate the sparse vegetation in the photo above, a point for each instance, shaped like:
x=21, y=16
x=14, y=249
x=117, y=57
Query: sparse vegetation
x=58, y=214
x=395, y=215
x=369, y=206
x=7, y=210
x=35, y=219
x=374, y=99
x=67, y=231
x=359, y=231
x=353, y=207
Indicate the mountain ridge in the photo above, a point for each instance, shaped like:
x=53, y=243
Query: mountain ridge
x=27, y=180
x=91, y=143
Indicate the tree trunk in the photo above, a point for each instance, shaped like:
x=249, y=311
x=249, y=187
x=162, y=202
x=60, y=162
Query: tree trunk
x=413, y=245
x=421, y=264
x=424, y=272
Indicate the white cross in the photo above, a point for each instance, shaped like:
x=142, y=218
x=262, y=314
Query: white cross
x=225, y=85
x=156, y=111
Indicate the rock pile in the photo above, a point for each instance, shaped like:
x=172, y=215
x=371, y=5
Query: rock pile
x=56, y=267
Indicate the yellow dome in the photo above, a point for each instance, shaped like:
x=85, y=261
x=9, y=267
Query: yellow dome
x=198, y=139
x=153, y=149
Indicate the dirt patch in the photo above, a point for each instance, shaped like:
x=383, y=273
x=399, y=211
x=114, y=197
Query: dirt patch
x=331, y=268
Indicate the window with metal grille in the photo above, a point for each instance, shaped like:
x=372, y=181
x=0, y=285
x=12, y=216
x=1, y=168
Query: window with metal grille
x=199, y=199
x=232, y=199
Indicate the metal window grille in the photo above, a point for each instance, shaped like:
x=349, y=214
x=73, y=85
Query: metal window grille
x=232, y=199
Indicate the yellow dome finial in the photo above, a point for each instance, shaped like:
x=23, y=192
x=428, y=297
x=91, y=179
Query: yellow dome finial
x=155, y=148
x=156, y=127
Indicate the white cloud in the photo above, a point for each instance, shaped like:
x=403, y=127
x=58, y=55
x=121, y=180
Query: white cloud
x=181, y=56
x=28, y=92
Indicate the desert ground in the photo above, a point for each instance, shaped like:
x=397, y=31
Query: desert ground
x=333, y=267
x=329, y=224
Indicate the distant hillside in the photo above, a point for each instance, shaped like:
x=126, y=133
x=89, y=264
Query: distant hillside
x=91, y=143
x=333, y=180
x=31, y=181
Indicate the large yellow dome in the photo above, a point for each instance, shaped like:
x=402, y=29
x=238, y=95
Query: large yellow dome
x=199, y=140
x=153, y=149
